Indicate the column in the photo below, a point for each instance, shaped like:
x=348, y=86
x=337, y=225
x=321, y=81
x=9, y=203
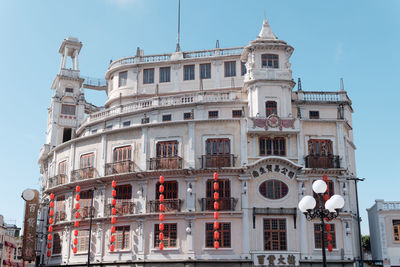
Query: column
x=217, y=66
x=142, y=162
x=304, y=237
x=243, y=142
x=176, y=78
x=189, y=238
x=140, y=236
x=141, y=201
x=76, y=53
x=103, y=159
x=300, y=145
x=190, y=196
x=65, y=246
x=98, y=240
x=245, y=220
x=69, y=204
x=191, y=161
x=71, y=161
x=99, y=201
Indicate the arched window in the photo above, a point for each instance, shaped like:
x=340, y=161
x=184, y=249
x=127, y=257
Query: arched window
x=270, y=108
x=273, y=189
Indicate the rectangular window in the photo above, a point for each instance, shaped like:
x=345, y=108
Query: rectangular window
x=167, y=149
x=320, y=147
x=148, y=76
x=187, y=116
x=167, y=117
x=314, y=114
x=224, y=235
x=170, y=190
x=237, y=113
x=218, y=146
x=87, y=161
x=271, y=108
x=145, y=120
x=67, y=134
x=188, y=72
x=272, y=146
x=396, y=230
x=62, y=167
x=83, y=241
x=126, y=123
x=205, y=71
x=122, y=237
x=69, y=90
x=60, y=209
x=123, y=153
x=170, y=235
x=56, y=243
x=123, y=77
x=165, y=74
x=318, y=235
x=213, y=114
x=270, y=61
x=68, y=109
x=224, y=188
x=275, y=234
x=230, y=69
x=243, y=69
x=109, y=127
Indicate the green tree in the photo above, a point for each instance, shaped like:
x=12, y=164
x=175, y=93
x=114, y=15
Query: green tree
x=366, y=243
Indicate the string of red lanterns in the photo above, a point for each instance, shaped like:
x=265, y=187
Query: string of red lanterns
x=76, y=223
x=216, y=213
x=327, y=226
x=51, y=221
x=113, y=213
x=161, y=215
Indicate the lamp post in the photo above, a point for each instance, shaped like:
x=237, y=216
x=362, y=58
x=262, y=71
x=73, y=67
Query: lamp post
x=307, y=206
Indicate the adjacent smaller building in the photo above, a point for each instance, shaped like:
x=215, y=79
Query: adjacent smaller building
x=384, y=228
x=10, y=245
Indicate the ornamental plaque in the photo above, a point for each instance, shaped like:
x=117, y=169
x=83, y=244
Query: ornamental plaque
x=29, y=241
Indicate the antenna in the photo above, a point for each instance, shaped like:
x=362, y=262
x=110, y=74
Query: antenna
x=178, y=48
x=265, y=15
x=217, y=44
x=341, y=84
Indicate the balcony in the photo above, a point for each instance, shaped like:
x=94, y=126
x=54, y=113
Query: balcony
x=125, y=207
x=217, y=161
x=58, y=180
x=170, y=205
x=322, y=162
x=82, y=174
x=84, y=212
x=225, y=203
x=60, y=216
x=169, y=163
x=120, y=167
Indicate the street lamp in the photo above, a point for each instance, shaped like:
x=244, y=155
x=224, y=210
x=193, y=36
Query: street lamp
x=307, y=206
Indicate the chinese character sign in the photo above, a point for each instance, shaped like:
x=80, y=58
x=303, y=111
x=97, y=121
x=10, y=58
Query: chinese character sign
x=29, y=242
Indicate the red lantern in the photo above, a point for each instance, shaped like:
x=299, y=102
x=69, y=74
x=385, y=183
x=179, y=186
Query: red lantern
x=49, y=245
x=113, y=220
x=325, y=178
x=216, y=215
x=216, y=244
x=161, y=216
x=113, y=211
x=51, y=196
x=76, y=232
x=77, y=215
x=51, y=221
x=216, y=225
x=326, y=197
x=161, y=227
x=215, y=176
x=50, y=229
x=216, y=235
x=78, y=189
x=161, y=246
x=51, y=204
x=161, y=179
x=50, y=237
x=76, y=224
x=75, y=249
x=113, y=229
x=51, y=213
x=216, y=186
x=78, y=197
x=328, y=227
x=330, y=247
x=216, y=195
x=327, y=219
x=216, y=205
x=112, y=247
x=161, y=236
x=329, y=237
x=161, y=188
x=161, y=198
x=114, y=202
x=114, y=193
x=161, y=207
x=114, y=184
x=77, y=206
x=75, y=241
x=112, y=239
x=48, y=253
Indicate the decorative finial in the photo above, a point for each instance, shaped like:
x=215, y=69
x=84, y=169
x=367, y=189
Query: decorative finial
x=299, y=85
x=266, y=32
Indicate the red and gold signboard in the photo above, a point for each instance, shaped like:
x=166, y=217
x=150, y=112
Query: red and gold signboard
x=29, y=241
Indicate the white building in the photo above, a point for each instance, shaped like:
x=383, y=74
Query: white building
x=384, y=229
x=186, y=115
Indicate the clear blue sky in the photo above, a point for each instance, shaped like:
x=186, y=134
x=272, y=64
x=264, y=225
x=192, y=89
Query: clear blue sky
x=356, y=40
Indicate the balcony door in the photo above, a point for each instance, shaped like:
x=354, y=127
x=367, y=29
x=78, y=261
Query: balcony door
x=122, y=157
x=167, y=155
x=124, y=199
x=224, y=190
x=171, y=200
x=218, y=152
x=320, y=154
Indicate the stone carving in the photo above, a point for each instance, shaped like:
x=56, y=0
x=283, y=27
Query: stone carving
x=274, y=168
x=273, y=121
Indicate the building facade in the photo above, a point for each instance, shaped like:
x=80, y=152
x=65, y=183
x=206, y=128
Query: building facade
x=186, y=115
x=10, y=245
x=384, y=229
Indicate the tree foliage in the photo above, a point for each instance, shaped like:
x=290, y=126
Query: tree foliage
x=366, y=243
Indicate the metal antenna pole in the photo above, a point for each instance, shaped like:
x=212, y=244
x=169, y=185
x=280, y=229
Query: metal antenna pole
x=178, y=48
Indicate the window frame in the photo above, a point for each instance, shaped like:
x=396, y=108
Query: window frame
x=125, y=235
x=122, y=78
x=315, y=115
x=122, y=153
x=243, y=69
x=211, y=112
x=209, y=235
x=171, y=190
x=396, y=227
x=237, y=115
x=67, y=108
x=190, y=116
x=224, y=188
x=148, y=76
x=89, y=162
x=189, y=72
x=83, y=238
x=205, y=69
x=164, y=74
x=229, y=69
x=57, y=244
x=271, y=110
x=279, y=191
x=274, y=61
x=218, y=140
x=315, y=147
x=165, y=117
x=162, y=146
x=318, y=235
x=167, y=235
x=271, y=143
x=265, y=231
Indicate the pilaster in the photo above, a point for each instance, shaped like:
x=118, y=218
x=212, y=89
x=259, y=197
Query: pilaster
x=190, y=194
x=191, y=155
x=246, y=217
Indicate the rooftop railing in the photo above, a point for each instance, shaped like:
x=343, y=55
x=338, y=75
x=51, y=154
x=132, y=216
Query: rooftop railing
x=315, y=96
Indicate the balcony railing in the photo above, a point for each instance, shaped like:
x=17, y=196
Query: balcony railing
x=161, y=163
x=58, y=180
x=217, y=161
x=125, y=207
x=322, y=162
x=120, y=167
x=170, y=205
x=60, y=216
x=225, y=203
x=84, y=212
x=82, y=174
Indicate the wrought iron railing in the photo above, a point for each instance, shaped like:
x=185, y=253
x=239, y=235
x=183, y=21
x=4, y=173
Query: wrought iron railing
x=218, y=161
x=225, y=203
x=322, y=162
x=119, y=167
x=170, y=205
x=58, y=180
x=84, y=173
x=84, y=212
x=125, y=207
x=161, y=163
x=60, y=216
